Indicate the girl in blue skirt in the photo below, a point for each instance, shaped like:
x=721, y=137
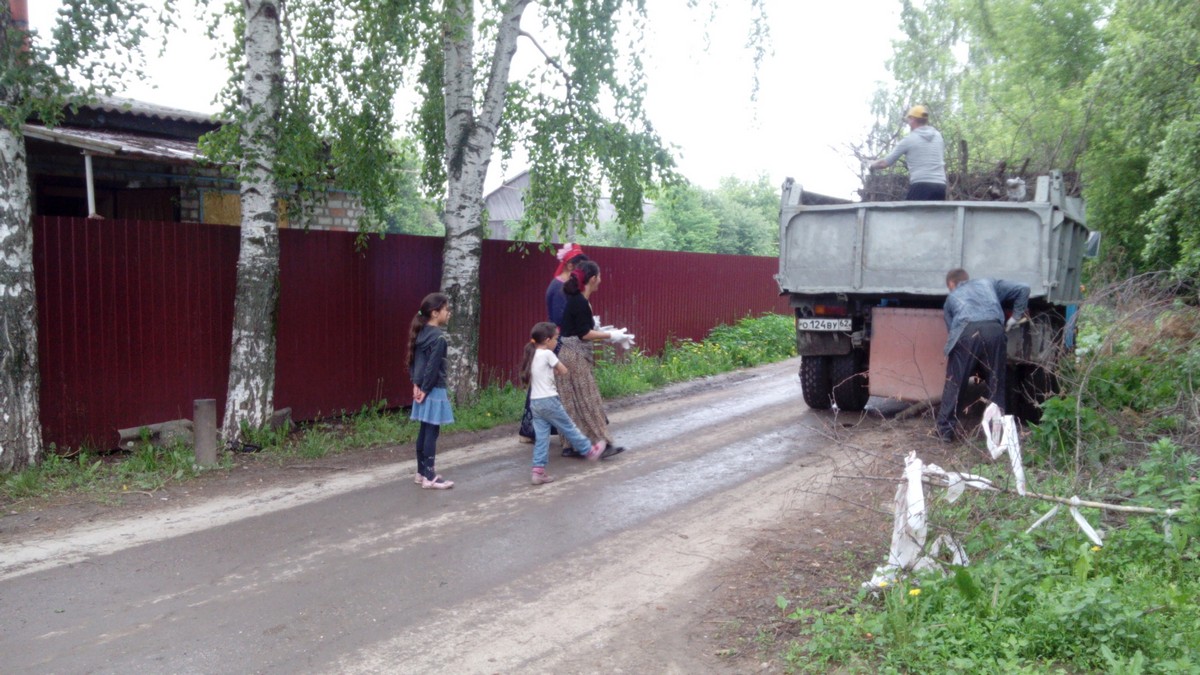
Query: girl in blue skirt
x=427, y=366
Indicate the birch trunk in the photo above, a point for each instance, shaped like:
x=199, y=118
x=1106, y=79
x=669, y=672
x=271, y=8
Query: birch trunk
x=470, y=139
x=250, y=398
x=20, y=423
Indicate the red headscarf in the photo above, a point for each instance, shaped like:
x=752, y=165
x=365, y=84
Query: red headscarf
x=565, y=254
x=579, y=277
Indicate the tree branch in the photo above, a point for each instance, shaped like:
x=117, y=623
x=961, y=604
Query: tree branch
x=550, y=60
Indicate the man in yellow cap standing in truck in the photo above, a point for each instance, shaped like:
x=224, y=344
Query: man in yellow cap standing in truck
x=926, y=157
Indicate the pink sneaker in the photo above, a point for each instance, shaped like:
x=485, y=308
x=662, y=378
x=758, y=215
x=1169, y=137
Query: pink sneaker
x=438, y=483
x=597, y=450
x=540, y=476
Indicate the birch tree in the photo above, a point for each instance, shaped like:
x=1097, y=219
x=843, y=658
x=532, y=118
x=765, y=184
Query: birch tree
x=249, y=402
x=580, y=119
x=35, y=82
x=309, y=104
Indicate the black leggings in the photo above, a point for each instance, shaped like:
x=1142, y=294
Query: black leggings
x=427, y=448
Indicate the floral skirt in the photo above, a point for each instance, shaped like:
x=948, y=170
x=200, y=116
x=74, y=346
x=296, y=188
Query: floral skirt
x=435, y=409
x=578, y=391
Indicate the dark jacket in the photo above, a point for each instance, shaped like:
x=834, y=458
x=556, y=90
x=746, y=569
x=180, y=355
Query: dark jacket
x=429, y=362
x=982, y=300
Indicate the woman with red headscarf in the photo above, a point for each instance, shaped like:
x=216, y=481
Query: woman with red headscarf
x=568, y=257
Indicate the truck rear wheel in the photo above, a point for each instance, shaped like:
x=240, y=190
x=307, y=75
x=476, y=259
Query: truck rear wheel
x=815, y=382
x=1028, y=386
x=850, y=388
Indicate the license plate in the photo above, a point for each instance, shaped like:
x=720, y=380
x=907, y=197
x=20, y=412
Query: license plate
x=823, y=324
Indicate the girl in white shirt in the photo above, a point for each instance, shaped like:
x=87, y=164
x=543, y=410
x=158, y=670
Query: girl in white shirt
x=538, y=372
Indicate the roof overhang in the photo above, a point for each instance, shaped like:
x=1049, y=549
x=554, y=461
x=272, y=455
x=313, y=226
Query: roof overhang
x=118, y=143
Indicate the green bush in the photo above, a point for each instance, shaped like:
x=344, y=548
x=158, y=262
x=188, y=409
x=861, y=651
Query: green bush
x=1049, y=600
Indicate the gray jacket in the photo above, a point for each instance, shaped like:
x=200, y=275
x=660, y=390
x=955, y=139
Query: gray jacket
x=926, y=153
x=982, y=300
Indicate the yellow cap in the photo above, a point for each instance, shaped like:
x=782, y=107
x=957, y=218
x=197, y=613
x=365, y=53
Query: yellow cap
x=918, y=111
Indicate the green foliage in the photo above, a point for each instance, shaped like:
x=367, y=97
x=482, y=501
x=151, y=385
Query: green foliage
x=1142, y=189
x=1067, y=429
x=342, y=68
x=1006, y=77
x=374, y=426
x=93, y=48
x=495, y=406
x=150, y=467
x=147, y=467
x=750, y=342
x=1105, y=86
x=738, y=218
x=1023, y=608
x=1131, y=377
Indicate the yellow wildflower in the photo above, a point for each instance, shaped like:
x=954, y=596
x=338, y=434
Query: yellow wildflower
x=883, y=584
x=1095, y=548
x=915, y=592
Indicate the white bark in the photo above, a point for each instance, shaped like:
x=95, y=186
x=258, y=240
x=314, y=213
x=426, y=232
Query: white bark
x=470, y=139
x=20, y=423
x=250, y=398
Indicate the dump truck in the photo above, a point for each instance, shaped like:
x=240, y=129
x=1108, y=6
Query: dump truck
x=867, y=284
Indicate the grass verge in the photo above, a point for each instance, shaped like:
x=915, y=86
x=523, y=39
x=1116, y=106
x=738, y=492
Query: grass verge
x=750, y=342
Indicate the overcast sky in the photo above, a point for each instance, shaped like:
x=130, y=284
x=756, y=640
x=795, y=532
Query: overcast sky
x=813, y=98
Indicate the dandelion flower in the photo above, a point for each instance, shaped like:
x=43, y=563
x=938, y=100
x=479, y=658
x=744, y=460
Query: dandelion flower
x=883, y=584
x=915, y=592
x=1095, y=548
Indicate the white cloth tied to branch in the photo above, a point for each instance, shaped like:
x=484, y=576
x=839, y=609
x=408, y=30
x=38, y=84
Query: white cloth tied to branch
x=1079, y=520
x=909, y=529
x=1001, y=433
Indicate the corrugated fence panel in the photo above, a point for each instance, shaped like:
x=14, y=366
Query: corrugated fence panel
x=344, y=317
x=657, y=295
x=135, y=317
x=134, y=323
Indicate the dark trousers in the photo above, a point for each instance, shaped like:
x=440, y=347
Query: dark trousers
x=982, y=346
x=427, y=448
x=926, y=192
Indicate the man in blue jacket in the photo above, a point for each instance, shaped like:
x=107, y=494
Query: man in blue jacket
x=974, y=313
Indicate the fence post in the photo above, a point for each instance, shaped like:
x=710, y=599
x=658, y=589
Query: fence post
x=204, y=426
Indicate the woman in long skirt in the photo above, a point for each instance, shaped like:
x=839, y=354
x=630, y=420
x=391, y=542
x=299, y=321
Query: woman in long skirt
x=577, y=389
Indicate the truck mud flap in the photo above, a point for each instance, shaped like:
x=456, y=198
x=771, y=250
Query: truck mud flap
x=814, y=343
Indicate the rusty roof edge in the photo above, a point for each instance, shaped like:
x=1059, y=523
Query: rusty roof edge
x=46, y=134
x=175, y=150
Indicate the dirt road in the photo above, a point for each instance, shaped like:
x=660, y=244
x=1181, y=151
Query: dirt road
x=358, y=570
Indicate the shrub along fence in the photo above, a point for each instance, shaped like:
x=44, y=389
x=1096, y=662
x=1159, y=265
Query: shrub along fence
x=134, y=317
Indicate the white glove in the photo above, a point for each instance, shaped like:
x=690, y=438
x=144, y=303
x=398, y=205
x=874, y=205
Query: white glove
x=1011, y=323
x=620, y=337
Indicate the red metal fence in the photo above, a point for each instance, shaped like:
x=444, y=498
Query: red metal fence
x=134, y=317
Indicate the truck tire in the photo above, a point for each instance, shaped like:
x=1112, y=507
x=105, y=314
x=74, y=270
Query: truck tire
x=1028, y=386
x=815, y=383
x=850, y=387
